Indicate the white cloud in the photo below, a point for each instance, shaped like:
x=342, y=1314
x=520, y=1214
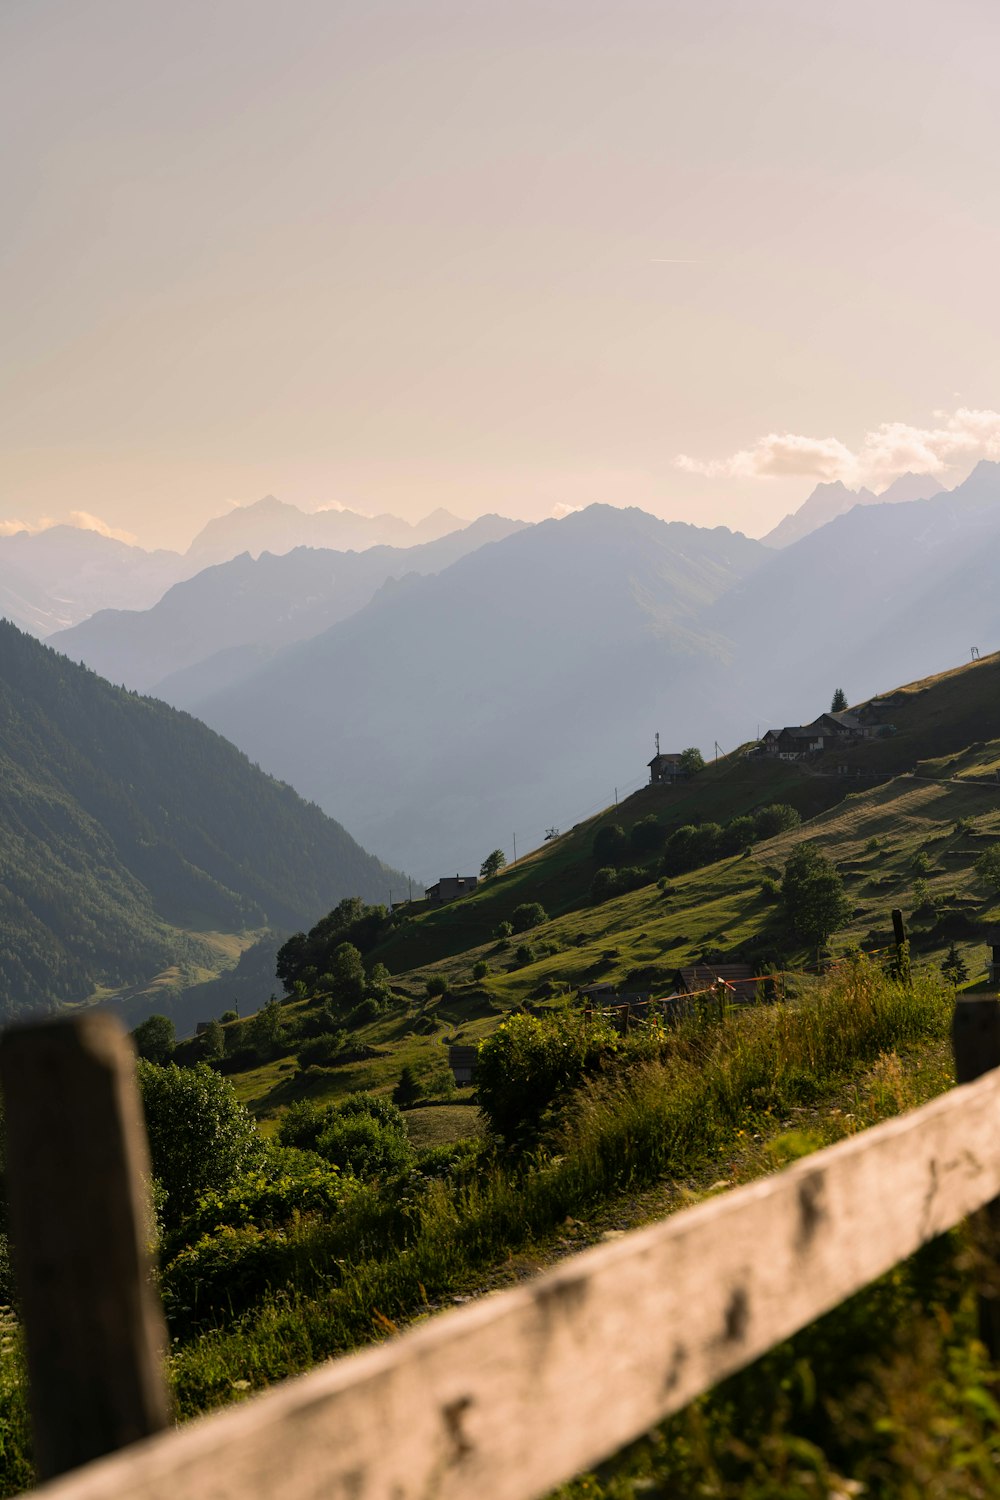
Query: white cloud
x=778, y=455
x=560, y=510
x=11, y=528
x=886, y=451
x=84, y=521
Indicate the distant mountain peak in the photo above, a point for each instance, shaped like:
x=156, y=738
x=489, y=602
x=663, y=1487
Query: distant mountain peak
x=830, y=498
x=910, y=486
x=276, y=526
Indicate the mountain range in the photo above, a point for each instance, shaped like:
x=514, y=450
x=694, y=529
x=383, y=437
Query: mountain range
x=54, y=578
x=828, y=501
x=881, y=594
x=504, y=694
x=272, y=525
x=133, y=838
x=443, y=700
x=215, y=628
x=510, y=692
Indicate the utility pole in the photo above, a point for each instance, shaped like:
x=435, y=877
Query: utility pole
x=616, y=793
x=515, y=848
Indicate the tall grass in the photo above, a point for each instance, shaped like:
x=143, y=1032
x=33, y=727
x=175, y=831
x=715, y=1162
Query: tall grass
x=673, y=1103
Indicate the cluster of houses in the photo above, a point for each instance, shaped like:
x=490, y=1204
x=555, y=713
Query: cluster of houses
x=830, y=731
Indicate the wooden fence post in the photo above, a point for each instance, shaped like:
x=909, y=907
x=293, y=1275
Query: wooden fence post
x=81, y=1223
x=976, y=1044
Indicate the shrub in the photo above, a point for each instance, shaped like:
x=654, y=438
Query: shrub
x=213, y=1042
x=155, y=1039
x=364, y=1134
x=610, y=844
x=646, y=835
x=814, y=895
x=988, y=866
x=200, y=1136
x=529, y=914
x=524, y=954
x=528, y=1063
x=775, y=818
x=480, y=969
x=435, y=986
x=691, y=846
x=323, y=1050
x=269, y=1200
x=265, y=1031
x=739, y=834
x=360, y=1144
x=503, y=931
x=367, y=1011
x=407, y=1090
x=604, y=884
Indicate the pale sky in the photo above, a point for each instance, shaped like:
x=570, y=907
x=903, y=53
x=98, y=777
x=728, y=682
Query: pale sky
x=393, y=254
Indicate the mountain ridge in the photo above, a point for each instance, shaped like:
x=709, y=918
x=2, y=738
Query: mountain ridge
x=130, y=830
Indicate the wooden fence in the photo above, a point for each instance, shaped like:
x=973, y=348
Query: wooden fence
x=514, y=1394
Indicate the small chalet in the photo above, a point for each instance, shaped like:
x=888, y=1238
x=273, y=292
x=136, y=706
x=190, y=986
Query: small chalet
x=739, y=979
x=450, y=887
x=824, y=733
x=667, y=768
x=463, y=1062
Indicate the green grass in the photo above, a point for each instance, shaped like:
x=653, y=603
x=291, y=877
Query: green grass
x=686, y=1110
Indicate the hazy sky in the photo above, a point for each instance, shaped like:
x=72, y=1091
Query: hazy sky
x=686, y=254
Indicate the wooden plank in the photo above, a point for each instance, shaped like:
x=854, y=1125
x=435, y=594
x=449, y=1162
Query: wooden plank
x=975, y=1038
x=77, y=1181
x=516, y=1393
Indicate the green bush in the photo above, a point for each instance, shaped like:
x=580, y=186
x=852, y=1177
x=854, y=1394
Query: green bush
x=988, y=866
x=604, y=884
x=775, y=818
x=200, y=1136
x=529, y=914
x=322, y=1051
x=610, y=845
x=435, y=986
x=646, y=835
x=480, y=969
x=524, y=953
x=609, y=882
x=270, y=1201
x=155, y=1039
x=407, y=1090
x=364, y=1134
x=528, y=1063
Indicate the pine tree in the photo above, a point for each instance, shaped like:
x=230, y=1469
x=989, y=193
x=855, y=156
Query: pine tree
x=954, y=967
x=839, y=702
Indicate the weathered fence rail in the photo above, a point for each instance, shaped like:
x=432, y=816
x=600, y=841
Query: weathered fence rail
x=513, y=1394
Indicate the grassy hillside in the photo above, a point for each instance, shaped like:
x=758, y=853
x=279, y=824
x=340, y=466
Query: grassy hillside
x=909, y=841
x=133, y=839
x=354, y=1220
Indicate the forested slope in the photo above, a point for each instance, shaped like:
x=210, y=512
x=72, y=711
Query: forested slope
x=126, y=828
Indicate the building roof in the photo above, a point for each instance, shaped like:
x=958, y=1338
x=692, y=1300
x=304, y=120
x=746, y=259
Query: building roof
x=844, y=719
